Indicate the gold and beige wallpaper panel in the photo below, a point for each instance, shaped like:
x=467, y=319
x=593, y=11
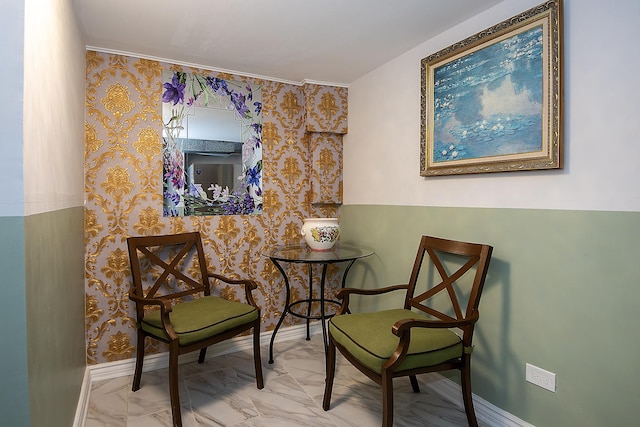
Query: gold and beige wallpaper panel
x=302, y=177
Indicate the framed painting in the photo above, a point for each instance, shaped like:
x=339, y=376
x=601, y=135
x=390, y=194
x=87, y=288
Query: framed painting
x=493, y=102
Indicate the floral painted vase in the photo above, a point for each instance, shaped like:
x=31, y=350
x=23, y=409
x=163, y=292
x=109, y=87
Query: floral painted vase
x=320, y=233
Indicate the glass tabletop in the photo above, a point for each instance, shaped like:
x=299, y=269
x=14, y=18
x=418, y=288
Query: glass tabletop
x=303, y=254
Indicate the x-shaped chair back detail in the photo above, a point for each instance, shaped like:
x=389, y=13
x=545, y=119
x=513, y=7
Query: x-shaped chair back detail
x=180, y=251
x=475, y=259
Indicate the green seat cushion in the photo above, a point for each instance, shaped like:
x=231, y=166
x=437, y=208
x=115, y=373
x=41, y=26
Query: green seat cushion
x=368, y=337
x=201, y=318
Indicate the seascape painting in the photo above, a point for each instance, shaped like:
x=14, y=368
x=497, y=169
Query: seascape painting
x=493, y=102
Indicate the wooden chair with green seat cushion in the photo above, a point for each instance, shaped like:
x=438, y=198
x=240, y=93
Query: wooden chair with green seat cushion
x=420, y=337
x=172, y=292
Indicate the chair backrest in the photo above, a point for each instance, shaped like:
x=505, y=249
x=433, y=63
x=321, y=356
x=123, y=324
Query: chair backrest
x=453, y=275
x=167, y=267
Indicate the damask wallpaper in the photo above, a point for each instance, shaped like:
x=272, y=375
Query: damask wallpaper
x=302, y=177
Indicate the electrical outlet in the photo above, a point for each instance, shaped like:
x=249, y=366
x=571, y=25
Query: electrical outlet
x=540, y=377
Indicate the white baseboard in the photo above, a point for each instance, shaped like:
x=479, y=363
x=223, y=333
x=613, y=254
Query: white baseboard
x=449, y=390
x=485, y=412
x=83, y=400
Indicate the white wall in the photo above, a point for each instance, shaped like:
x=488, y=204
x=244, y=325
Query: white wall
x=382, y=148
x=53, y=117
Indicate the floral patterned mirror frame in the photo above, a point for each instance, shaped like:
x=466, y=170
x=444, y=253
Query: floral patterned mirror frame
x=182, y=93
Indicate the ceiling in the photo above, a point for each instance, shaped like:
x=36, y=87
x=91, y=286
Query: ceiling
x=330, y=41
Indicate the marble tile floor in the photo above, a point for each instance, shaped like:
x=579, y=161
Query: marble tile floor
x=222, y=392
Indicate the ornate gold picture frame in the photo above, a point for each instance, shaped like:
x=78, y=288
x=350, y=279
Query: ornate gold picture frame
x=493, y=102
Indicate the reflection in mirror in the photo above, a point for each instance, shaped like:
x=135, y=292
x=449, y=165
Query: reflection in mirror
x=212, y=147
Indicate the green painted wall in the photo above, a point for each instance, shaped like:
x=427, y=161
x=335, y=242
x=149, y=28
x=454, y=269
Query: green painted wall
x=14, y=392
x=561, y=294
x=54, y=250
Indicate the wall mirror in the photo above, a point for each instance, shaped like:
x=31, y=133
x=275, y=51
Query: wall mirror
x=212, y=146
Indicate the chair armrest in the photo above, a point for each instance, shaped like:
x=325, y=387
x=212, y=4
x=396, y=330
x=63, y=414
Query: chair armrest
x=249, y=286
x=344, y=294
x=163, y=303
x=247, y=282
x=165, y=308
x=402, y=326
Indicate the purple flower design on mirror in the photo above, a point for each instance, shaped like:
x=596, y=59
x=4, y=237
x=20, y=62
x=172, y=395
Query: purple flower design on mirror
x=184, y=194
x=174, y=90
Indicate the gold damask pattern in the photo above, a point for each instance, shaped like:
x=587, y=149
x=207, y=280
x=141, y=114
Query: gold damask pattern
x=326, y=108
x=326, y=179
x=123, y=187
x=326, y=122
x=117, y=100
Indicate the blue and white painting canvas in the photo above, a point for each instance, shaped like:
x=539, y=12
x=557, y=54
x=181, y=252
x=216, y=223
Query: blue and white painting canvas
x=489, y=102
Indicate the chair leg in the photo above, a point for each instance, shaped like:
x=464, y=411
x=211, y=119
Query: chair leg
x=256, y=355
x=203, y=354
x=139, y=361
x=414, y=383
x=174, y=392
x=330, y=368
x=467, y=397
x=387, y=399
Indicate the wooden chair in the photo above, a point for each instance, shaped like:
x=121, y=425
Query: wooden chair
x=172, y=292
x=419, y=337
